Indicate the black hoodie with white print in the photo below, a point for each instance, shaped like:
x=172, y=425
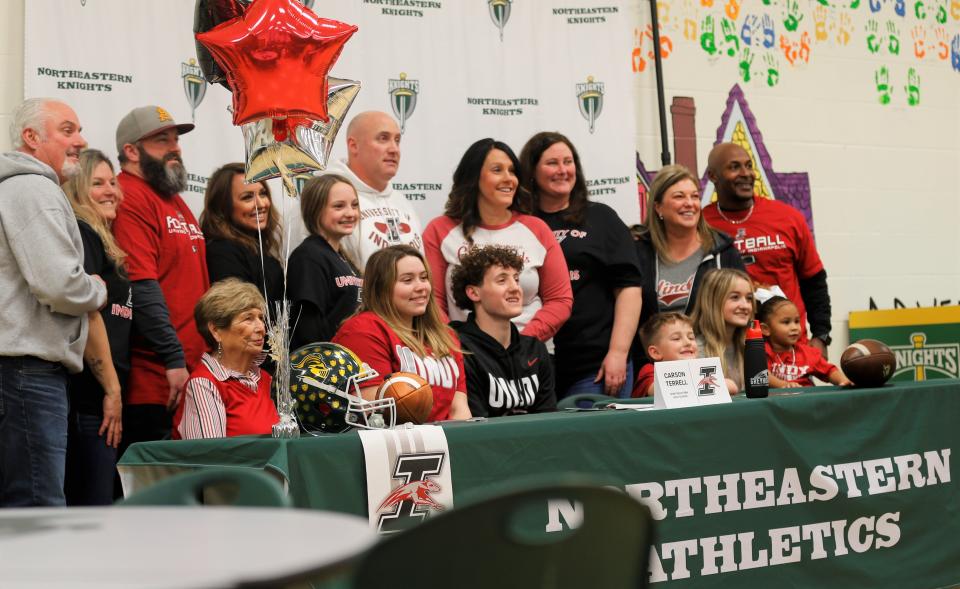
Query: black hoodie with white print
x=505, y=381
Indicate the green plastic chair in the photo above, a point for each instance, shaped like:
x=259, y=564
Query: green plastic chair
x=240, y=487
x=501, y=542
x=583, y=401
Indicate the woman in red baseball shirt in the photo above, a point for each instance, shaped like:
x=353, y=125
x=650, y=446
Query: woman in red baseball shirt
x=399, y=328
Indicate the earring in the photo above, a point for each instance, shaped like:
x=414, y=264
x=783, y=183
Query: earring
x=219, y=351
x=661, y=216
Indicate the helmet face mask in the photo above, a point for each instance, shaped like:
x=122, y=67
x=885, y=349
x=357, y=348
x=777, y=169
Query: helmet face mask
x=377, y=414
x=325, y=384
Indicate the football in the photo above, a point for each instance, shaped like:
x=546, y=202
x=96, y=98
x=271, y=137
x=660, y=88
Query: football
x=412, y=394
x=868, y=363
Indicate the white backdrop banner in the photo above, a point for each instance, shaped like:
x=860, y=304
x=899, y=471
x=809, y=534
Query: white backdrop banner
x=450, y=72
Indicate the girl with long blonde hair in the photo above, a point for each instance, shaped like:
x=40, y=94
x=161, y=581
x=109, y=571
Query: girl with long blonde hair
x=399, y=328
x=724, y=310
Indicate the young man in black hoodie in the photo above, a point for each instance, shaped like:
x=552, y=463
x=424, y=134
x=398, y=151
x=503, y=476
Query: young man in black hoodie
x=507, y=373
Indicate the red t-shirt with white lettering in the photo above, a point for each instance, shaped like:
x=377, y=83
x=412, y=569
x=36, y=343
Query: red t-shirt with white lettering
x=163, y=242
x=374, y=342
x=799, y=364
x=776, y=246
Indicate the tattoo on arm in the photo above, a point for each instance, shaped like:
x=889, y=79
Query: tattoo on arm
x=96, y=366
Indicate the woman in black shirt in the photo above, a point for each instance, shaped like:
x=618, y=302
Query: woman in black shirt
x=95, y=394
x=242, y=232
x=592, y=347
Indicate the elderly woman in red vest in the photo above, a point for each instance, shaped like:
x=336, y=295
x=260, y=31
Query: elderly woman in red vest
x=228, y=394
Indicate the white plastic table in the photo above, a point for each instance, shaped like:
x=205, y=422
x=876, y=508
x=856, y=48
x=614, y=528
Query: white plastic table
x=153, y=547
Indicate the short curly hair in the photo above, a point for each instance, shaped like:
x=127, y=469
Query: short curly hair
x=473, y=266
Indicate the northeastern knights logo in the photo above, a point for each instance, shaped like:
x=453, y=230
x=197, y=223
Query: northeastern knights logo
x=194, y=85
x=403, y=98
x=500, y=13
x=590, y=100
x=923, y=360
x=410, y=502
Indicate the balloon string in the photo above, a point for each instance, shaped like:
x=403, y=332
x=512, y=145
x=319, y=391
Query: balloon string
x=263, y=274
x=280, y=340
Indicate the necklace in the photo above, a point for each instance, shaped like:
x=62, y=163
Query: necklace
x=793, y=357
x=346, y=262
x=731, y=221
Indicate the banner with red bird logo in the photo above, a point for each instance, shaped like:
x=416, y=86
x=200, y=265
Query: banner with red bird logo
x=408, y=476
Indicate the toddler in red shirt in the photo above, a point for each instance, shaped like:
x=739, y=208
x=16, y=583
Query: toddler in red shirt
x=790, y=362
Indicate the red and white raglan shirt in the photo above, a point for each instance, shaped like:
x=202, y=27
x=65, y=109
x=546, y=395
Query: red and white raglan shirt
x=776, y=246
x=375, y=343
x=799, y=364
x=164, y=243
x=547, y=295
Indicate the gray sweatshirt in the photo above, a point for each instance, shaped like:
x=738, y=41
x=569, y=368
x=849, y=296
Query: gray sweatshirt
x=44, y=293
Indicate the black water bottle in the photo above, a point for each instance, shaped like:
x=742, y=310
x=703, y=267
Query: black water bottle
x=755, y=378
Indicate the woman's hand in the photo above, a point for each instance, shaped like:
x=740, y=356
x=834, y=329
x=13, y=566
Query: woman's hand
x=613, y=372
x=112, y=426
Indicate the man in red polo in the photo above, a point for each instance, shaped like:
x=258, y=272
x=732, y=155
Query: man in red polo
x=166, y=263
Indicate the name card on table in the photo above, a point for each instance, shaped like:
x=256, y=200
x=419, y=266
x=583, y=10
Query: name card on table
x=689, y=383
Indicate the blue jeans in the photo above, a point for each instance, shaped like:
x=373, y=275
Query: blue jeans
x=91, y=463
x=33, y=431
x=586, y=385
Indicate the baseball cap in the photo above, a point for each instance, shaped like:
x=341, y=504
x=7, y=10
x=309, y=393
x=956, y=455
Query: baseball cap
x=145, y=121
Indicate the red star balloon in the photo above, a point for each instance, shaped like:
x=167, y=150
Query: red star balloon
x=277, y=57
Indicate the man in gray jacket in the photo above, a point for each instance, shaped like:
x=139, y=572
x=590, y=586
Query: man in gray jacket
x=44, y=296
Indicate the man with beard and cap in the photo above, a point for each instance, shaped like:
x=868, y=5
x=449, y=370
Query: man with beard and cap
x=45, y=296
x=373, y=158
x=166, y=264
x=773, y=239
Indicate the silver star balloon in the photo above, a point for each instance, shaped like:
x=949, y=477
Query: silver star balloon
x=274, y=151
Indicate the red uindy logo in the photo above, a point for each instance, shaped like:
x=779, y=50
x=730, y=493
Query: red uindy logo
x=416, y=491
x=707, y=381
x=669, y=292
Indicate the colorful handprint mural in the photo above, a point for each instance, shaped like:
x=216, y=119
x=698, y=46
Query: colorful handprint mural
x=763, y=40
